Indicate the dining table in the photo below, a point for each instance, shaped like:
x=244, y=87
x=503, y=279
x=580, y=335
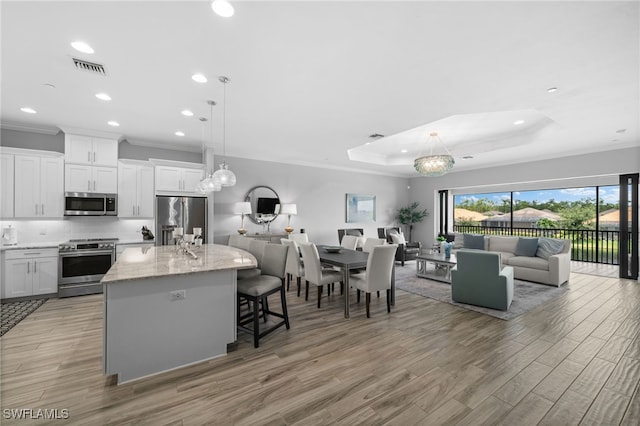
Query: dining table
x=348, y=260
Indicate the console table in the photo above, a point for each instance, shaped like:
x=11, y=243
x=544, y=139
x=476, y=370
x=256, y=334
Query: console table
x=441, y=270
x=272, y=238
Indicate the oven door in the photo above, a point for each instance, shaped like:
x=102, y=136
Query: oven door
x=84, y=266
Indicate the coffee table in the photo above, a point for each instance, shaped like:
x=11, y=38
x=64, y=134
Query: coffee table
x=441, y=269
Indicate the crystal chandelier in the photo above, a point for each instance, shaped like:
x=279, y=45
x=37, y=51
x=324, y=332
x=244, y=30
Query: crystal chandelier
x=225, y=176
x=434, y=165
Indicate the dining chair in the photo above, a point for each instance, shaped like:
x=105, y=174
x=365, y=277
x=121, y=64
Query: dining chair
x=370, y=243
x=299, y=238
x=349, y=242
x=314, y=273
x=234, y=240
x=256, y=248
x=378, y=274
x=294, y=267
x=257, y=289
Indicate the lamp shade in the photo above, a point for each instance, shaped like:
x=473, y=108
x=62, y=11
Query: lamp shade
x=243, y=207
x=288, y=209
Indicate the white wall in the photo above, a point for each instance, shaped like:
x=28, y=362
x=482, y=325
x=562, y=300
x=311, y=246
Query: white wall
x=602, y=168
x=320, y=196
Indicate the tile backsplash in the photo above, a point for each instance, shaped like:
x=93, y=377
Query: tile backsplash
x=60, y=230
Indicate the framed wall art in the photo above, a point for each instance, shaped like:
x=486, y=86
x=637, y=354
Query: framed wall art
x=361, y=208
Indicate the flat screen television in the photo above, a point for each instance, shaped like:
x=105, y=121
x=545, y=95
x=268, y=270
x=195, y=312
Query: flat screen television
x=267, y=205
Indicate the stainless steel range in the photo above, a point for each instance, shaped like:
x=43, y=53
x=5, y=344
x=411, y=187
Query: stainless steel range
x=82, y=264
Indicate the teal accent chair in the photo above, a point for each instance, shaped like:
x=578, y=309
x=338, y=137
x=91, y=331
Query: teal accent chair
x=479, y=279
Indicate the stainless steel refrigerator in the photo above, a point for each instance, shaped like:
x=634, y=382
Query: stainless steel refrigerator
x=185, y=212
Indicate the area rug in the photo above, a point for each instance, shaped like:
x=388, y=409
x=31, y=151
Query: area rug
x=11, y=313
x=526, y=295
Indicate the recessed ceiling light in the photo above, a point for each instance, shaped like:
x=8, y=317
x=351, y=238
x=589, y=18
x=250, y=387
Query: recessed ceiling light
x=81, y=46
x=518, y=122
x=113, y=123
x=103, y=96
x=28, y=110
x=403, y=151
x=367, y=143
x=222, y=8
x=552, y=89
x=621, y=130
x=187, y=113
x=199, y=78
x=179, y=133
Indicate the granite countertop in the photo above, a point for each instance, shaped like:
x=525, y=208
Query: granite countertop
x=23, y=246
x=147, y=262
x=126, y=241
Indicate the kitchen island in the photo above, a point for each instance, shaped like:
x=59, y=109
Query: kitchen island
x=164, y=310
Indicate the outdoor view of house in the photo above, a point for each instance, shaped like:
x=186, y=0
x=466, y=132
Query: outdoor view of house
x=588, y=216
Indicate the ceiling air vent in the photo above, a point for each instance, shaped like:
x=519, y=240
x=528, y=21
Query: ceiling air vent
x=89, y=67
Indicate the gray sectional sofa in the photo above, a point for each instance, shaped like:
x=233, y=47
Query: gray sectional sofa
x=542, y=260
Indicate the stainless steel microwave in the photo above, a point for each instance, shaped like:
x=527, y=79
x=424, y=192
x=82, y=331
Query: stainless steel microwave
x=90, y=204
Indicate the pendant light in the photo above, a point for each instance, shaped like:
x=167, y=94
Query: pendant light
x=434, y=164
x=225, y=176
x=210, y=183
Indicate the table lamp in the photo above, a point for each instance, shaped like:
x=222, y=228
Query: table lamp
x=288, y=209
x=242, y=208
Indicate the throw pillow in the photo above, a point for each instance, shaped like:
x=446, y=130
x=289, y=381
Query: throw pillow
x=472, y=241
x=548, y=247
x=398, y=239
x=527, y=247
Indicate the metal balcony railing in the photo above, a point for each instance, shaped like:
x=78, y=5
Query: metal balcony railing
x=587, y=245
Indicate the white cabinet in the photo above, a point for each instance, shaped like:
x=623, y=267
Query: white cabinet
x=135, y=190
x=83, y=178
x=90, y=164
x=6, y=185
x=177, y=179
x=92, y=151
x=38, y=186
x=30, y=272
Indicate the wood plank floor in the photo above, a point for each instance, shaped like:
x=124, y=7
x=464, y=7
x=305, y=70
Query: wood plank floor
x=575, y=360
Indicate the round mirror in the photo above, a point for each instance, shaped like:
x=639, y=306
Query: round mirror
x=265, y=204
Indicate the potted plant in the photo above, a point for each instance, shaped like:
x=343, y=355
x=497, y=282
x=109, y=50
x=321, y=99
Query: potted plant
x=411, y=214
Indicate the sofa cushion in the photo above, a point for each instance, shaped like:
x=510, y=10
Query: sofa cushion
x=548, y=247
x=458, y=240
x=529, y=262
x=503, y=244
x=505, y=256
x=472, y=241
x=527, y=247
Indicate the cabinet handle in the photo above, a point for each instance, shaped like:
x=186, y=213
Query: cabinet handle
x=28, y=267
x=35, y=266
x=89, y=156
x=89, y=185
x=138, y=209
x=94, y=157
x=42, y=209
x=134, y=210
x=94, y=185
x=36, y=209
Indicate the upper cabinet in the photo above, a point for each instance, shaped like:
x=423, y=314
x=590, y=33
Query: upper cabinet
x=135, y=189
x=90, y=164
x=90, y=150
x=39, y=185
x=176, y=177
x=6, y=185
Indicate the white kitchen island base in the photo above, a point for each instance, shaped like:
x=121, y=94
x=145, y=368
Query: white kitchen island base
x=160, y=323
